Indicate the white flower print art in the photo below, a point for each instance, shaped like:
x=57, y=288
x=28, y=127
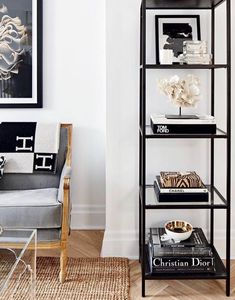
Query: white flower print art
x=21, y=54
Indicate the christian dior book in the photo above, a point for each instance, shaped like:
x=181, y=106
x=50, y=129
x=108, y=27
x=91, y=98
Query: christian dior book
x=187, y=265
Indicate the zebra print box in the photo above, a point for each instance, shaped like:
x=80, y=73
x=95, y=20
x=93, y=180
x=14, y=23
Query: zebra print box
x=180, y=179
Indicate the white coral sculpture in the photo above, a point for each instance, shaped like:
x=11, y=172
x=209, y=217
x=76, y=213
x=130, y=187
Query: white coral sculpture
x=182, y=92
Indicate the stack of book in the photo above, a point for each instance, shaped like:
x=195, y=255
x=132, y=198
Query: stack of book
x=180, y=187
x=189, y=256
x=200, y=125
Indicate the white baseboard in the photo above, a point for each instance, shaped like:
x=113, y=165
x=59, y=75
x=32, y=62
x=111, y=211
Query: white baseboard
x=90, y=217
x=120, y=244
x=126, y=244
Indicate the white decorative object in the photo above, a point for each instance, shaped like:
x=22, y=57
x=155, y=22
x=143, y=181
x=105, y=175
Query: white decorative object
x=166, y=57
x=195, y=52
x=195, y=47
x=177, y=231
x=182, y=92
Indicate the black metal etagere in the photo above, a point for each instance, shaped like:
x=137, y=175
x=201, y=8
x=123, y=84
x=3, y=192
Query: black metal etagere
x=146, y=192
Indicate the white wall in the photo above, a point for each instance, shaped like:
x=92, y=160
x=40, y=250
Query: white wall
x=122, y=44
x=74, y=91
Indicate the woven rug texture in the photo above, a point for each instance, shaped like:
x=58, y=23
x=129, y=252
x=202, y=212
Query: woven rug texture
x=87, y=279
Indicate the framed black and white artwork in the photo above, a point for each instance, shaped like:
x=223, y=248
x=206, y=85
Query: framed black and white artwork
x=173, y=30
x=21, y=54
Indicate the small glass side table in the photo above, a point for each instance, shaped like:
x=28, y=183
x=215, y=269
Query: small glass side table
x=18, y=253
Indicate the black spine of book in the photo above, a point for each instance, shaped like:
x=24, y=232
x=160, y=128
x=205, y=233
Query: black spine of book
x=186, y=264
x=183, y=128
x=182, y=262
x=174, y=264
x=156, y=250
x=185, y=270
x=181, y=252
x=180, y=197
x=197, y=239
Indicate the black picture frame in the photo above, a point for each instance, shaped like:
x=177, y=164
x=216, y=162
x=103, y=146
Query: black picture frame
x=33, y=98
x=159, y=30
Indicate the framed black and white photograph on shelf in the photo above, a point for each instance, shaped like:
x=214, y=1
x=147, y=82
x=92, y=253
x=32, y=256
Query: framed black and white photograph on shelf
x=173, y=30
x=21, y=81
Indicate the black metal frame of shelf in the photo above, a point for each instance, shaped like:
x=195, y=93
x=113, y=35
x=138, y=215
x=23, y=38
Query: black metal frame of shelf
x=145, y=134
x=183, y=4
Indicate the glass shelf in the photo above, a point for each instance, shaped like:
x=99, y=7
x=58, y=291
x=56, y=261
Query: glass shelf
x=217, y=201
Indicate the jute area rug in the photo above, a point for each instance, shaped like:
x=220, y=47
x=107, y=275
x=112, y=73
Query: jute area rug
x=87, y=279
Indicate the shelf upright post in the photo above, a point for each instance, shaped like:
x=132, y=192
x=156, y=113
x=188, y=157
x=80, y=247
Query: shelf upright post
x=212, y=148
x=140, y=138
x=228, y=188
x=143, y=142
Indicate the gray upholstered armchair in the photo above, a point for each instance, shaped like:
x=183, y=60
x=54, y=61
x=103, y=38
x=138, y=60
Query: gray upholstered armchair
x=41, y=201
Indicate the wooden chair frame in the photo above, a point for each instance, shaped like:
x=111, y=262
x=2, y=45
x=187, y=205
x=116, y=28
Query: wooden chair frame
x=62, y=244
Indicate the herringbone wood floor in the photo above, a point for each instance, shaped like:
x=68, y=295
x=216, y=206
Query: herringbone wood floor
x=88, y=244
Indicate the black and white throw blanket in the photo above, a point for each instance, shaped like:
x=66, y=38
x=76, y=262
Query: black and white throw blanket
x=29, y=147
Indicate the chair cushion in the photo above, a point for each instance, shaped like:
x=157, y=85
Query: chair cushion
x=37, y=208
x=48, y=235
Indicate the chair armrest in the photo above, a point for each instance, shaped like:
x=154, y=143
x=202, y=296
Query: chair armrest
x=66, y=214
x=64, y=182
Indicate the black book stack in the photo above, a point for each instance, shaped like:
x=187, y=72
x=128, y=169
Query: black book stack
x=189, y=256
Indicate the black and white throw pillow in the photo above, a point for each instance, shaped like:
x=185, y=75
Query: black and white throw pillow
x=2, y=164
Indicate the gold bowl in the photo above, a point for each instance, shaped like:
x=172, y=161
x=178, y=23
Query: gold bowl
x=178, y=230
